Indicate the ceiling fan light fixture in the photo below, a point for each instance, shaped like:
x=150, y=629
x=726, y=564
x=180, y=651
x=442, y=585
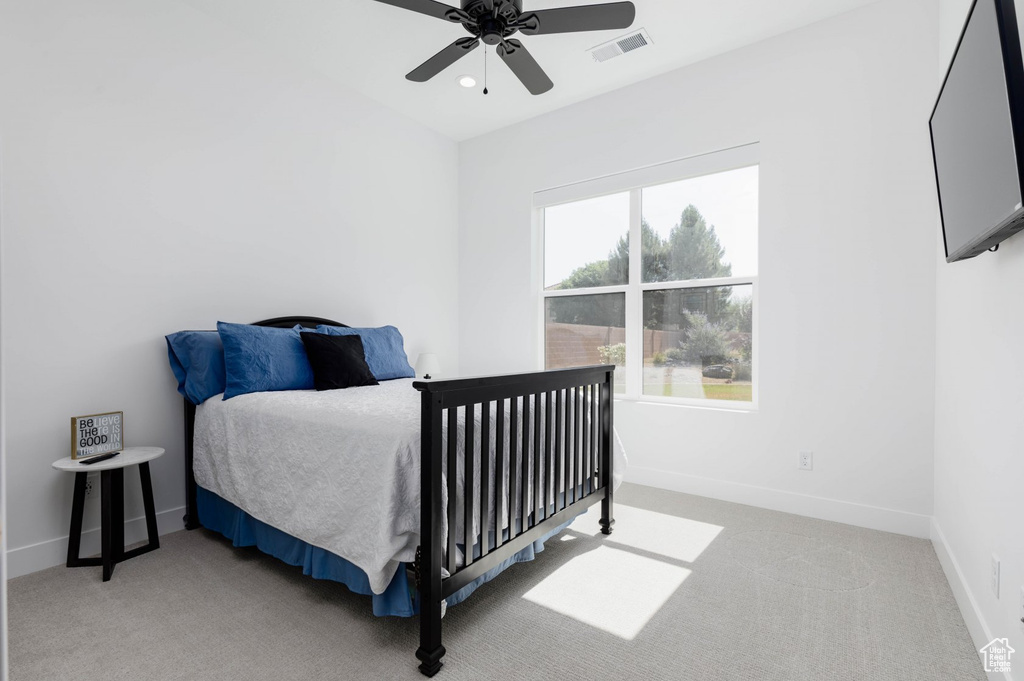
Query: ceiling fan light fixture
x=466, y=81
x=494, y=22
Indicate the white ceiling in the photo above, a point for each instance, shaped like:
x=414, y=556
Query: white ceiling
x=370, y=46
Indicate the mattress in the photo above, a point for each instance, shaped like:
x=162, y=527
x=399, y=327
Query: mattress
x=338, y=469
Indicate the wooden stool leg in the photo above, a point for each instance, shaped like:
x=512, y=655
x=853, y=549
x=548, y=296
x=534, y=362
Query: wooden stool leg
x=147, y=502
x=117, y=515
x=77, y=512
x=106, y=524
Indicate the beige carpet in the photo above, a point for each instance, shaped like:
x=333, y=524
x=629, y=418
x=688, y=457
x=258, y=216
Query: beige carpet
x=686, y=588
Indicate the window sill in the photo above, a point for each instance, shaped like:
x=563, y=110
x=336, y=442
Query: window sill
x=709, y=405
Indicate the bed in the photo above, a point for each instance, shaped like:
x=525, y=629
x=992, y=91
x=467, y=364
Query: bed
x=286, y=470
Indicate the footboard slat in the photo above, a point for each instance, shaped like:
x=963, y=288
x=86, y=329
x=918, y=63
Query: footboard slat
x=559, y=429
x=485, y=476
x=467, y=491
x=499, y=470
x=577, y=420
x=524, y=480
x=557, y=463
x=585, y=429
x=538, y=453
x=592, y=452
x=514, y=460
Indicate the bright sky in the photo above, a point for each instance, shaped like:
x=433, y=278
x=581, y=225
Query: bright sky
x=582, y=232
x=585, y=231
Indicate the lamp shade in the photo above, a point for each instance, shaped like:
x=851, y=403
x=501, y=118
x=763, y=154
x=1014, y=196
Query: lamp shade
x=427, y=365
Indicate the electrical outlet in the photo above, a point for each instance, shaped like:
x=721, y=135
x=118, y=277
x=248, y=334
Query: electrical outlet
x=994, y=576
x=90, y=485
x=806, y=461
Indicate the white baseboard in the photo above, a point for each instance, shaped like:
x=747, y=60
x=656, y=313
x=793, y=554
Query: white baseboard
x=976, y=625
x=26, y=559
x=861, y=515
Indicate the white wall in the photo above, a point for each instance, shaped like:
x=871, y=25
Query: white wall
x=161, y=173
x=3, y=478
x=979, y=417
x=847, y=228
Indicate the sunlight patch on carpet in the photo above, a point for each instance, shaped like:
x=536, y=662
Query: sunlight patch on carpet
x=612, y=590
x=667, y=535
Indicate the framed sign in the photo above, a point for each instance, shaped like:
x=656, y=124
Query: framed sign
x=97, y=434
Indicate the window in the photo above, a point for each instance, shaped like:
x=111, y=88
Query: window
x=587, y=247
x=655, y=271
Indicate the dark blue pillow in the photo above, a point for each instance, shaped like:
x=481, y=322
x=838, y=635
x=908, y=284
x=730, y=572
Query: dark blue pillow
x=260, y=358
x=197, y=360
x=384, y=349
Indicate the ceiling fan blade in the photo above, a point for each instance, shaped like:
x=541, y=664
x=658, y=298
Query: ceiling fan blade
x=438, y=10
x=524, y=66
x=582, y=18
x=443, y=59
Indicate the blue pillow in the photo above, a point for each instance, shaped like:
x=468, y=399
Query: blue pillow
x=384, y=349
x=259, y=358
x=197, y=360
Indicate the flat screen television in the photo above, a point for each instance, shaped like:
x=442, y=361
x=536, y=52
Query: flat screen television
x=977, y=130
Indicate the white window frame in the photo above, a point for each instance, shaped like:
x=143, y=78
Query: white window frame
x=634, y=181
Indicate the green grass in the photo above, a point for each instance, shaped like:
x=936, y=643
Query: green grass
x=739, y=392
x=729, y=391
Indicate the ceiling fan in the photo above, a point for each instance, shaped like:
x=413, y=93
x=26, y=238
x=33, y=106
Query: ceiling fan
x=494, y=21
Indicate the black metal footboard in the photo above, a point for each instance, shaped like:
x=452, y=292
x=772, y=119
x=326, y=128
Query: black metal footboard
x=550, y=459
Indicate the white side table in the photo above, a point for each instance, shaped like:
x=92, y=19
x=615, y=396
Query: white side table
x=111, y=506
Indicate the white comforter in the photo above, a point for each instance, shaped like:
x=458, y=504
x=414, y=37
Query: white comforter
x=338, y=469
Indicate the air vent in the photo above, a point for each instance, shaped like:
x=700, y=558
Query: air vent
x=621, y=45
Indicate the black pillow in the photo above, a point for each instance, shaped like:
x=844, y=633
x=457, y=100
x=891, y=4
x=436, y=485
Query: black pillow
x=337, y=361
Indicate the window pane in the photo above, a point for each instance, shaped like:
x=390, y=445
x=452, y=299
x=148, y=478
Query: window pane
x=583, y=330
x=586, y=243
x=701, y=228
x=697, y=343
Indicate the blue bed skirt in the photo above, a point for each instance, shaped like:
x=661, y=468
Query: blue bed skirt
x=399, y=599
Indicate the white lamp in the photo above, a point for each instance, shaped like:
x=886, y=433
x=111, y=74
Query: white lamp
x=427, y=365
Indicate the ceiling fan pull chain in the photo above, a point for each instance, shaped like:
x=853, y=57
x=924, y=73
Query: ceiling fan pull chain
x=485, y=69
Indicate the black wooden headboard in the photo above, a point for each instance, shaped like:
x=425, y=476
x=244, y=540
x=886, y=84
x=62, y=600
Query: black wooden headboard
x=289, y=322
x=191, y=516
